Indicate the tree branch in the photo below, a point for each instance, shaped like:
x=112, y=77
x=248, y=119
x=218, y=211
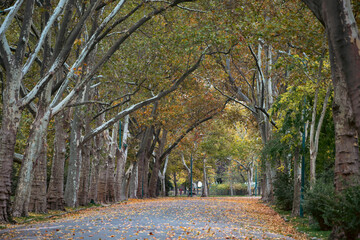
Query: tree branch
x=143, y=103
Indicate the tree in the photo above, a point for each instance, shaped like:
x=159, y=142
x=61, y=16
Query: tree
x=344, y=47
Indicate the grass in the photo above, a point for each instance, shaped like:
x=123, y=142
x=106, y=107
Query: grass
x=39, y=217
x=304, y=225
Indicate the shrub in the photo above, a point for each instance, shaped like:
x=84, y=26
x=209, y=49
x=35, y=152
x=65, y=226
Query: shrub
x=331, y=209
x=346, y=213
x=283, y=191
x=224, y=189
x=318, y=201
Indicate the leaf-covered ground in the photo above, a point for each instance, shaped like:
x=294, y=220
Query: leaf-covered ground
x=165, y=218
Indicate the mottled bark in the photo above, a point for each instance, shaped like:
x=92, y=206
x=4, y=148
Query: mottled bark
x=103, y=174
x=74, y=167
x=102, y=182
x=84, y=185
x=143, y=163
x=36, y=144
x=134, y=181
x=37, y=201
x=95, y=167
x=162, y=177
x=111, y=154
x=55, y=193
x=156, y=167
x=31, y=157
x=9, y=126
x=121, y=190
x=347, y=165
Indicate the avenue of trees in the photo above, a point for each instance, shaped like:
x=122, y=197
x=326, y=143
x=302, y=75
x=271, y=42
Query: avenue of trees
x=107, y=100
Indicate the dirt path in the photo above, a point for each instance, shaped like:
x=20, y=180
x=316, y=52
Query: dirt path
x=165, y=218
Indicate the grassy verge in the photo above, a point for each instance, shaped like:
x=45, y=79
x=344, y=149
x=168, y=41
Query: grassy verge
x=39, y=217
x=304, y=225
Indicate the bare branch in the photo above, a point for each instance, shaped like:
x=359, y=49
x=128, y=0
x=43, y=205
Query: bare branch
x=87, y=102
x=12, y=12
x=58, y=10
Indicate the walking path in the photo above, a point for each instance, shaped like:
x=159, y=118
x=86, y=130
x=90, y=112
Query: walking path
x=165, y=218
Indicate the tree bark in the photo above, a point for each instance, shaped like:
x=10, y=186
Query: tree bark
x=95, y=166
x=84, y=185
x=9, y=125
x=175, y=184
x=249, y=179
x=155, y=171
x=143, y=163
x=74, y=167
x=134, y=181
x=121, y=156
x=37, y=202
x=162, y=177
x=55, y=193
x=205, y=186
x=31, y=157
x=347, y=165
x=110, y=181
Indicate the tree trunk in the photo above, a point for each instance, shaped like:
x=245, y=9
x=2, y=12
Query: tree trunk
x=175, y=184
x=155, y=171
x=297, y=183
x=37, y=201
x=347, y=163
x=126, y=183
x=9, y=124
x=95, y=167
x=55, y=194
x=205, y=186
x=121, y=190
x=249, y=180
x=315, y=133
x=110, y=181
x=74, y=167
x=162, y=177
x=231, y=187
x=84, y=185
x=36, y=142
x=268, y=192
x=143, y=163
x=134, y=181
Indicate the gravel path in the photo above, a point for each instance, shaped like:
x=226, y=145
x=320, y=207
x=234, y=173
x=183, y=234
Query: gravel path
x=164, y=218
